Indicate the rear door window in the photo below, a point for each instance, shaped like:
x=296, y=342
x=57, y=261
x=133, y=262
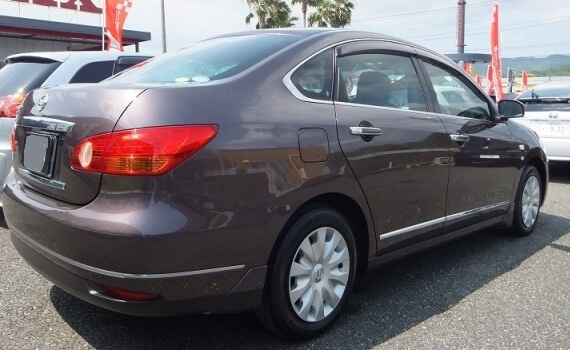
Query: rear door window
x=380, y=79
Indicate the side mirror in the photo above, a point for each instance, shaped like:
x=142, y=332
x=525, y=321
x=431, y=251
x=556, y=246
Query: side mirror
x=511, y=109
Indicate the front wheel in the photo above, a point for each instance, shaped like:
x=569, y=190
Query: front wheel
x=527, y=205
x=311, y=276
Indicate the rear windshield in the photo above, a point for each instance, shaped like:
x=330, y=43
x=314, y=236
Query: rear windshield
x=208, y=60
x=24, y=76
x=539, y=92
x=540, y=106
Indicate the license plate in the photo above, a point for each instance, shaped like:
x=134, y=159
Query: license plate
x=555, y=127
x=38, y=154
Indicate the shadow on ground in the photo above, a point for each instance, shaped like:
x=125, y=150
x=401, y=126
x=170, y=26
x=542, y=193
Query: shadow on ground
x=384, y=304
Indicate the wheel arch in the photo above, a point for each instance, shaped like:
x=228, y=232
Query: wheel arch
x=347, y=207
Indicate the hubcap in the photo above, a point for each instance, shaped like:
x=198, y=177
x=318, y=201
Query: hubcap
x=530, y=201
x=319, y=274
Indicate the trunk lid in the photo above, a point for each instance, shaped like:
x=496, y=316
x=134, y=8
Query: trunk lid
x=548, y=117
x=51, y=123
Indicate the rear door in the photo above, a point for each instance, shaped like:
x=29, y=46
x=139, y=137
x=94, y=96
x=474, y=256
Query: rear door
x=396, y=148
x=485, y=155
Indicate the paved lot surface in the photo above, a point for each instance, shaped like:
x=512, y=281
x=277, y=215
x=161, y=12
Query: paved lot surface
x=486, y=291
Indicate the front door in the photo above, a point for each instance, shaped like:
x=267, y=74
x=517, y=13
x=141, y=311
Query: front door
x=485, y=156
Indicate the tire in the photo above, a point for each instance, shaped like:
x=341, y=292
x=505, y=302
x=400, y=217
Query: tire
x=527, y=203
x=311, y=276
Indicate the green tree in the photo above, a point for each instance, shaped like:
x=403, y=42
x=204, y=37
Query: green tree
x=321, y=15
x=304, y=6
x=270, y=14
x=340, y=13
x=336, y=13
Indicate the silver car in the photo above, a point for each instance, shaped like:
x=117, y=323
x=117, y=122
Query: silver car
x=27, y=71
x=548, y=114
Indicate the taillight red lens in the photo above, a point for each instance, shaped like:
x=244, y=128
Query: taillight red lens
x=148, y=151
x=9, y=104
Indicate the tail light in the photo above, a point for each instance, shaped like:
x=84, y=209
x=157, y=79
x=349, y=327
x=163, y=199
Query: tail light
x=147, y=151
x=9, y=104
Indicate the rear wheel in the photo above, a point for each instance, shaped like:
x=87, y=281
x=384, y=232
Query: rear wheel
x=311, y=276
x=527, y=205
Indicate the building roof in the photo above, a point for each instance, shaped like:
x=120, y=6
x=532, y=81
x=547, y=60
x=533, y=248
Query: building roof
x=27, y=28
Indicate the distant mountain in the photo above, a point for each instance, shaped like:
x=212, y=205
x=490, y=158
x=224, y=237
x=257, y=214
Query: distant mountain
x=554, y=65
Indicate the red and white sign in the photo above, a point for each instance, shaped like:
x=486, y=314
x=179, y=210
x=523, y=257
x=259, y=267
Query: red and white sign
x=77, y=5
x=116, y=12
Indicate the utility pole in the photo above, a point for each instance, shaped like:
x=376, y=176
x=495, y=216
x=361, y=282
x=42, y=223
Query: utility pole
x=461, y=26
x=163, y=23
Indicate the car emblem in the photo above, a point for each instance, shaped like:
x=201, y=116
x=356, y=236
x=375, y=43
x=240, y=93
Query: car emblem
x=552, y=115
x=42, y=102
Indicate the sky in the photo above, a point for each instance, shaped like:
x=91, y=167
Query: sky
x=527, y=27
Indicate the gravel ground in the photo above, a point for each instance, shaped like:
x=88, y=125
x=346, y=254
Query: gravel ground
x=485, y=291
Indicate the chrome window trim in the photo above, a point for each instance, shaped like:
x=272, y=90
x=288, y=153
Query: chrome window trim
x=441, y=220
x=295, y=92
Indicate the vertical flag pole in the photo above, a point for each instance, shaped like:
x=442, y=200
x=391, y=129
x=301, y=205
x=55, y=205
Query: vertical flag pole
x=104, y=14
x=163, y=23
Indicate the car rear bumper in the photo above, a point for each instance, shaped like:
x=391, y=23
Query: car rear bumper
x=191, y=269
x=87, y=285
x=557, y=149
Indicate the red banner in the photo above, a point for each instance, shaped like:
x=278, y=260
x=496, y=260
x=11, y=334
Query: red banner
x=479, y=80
x=524, y=80
x=489, y=80
x=495, y=56
x=116, y=12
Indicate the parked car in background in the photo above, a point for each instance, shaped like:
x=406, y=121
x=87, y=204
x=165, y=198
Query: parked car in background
x=548, y=114
x=239, y=174
x=27, y=71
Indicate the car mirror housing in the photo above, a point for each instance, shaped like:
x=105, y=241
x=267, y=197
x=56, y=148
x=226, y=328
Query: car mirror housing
x=511, y=109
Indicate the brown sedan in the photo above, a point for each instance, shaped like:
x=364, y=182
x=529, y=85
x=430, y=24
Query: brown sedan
x=263, y=170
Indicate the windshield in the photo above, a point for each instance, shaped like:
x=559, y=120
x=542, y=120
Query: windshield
x=24, y=76
x=208, y=60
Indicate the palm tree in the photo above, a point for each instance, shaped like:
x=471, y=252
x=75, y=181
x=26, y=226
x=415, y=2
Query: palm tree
x=341, y=13
x=280, y=16
x=304, y=6
x=259, y=8
x=336, y=13
x=270, y=14
x=321, y=14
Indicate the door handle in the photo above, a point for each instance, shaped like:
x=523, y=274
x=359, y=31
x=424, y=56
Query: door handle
x=365, y=131
x=459, y=138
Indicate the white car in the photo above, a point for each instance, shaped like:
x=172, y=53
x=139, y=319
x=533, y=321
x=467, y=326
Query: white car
x=24, y=72
x=548, y=114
